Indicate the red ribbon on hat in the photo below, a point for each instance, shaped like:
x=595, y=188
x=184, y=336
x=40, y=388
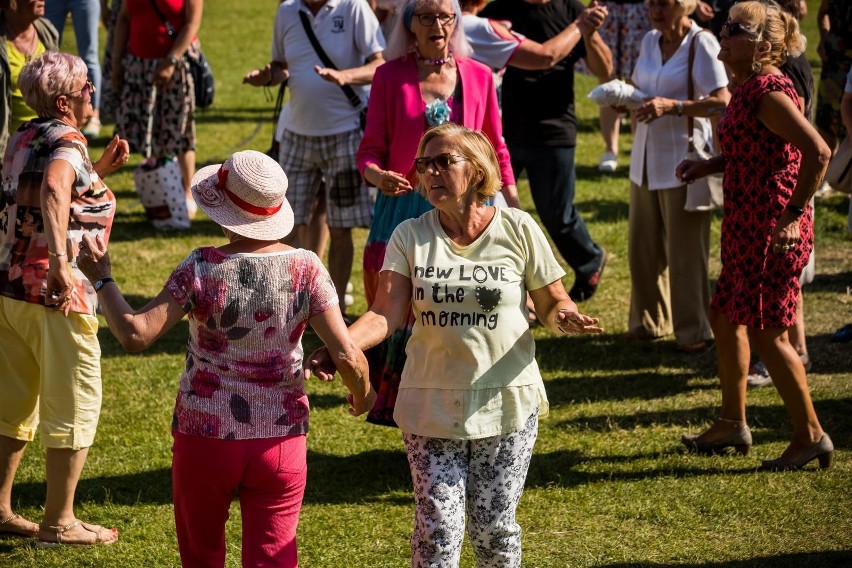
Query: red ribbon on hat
x=222, y=184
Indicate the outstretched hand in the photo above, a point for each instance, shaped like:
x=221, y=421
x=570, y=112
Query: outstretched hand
x=575, y=323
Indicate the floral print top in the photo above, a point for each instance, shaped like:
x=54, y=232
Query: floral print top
x=247, y=312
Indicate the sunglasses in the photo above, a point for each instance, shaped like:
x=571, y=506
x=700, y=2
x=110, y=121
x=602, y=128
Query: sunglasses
x=734, y=28
x=89, y=87
x=441, y=162
x=429, y=19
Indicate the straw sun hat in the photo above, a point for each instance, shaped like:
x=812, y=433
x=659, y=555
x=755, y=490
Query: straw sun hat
x=246, y=195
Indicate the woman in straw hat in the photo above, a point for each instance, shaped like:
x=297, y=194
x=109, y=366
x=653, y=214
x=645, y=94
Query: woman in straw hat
x=241, y=412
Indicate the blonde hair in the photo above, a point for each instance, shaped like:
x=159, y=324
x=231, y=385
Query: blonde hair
x=476, y=149
x=774, y=26
x=48, y=76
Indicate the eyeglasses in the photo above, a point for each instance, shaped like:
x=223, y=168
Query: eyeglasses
x=441, y=162
x=429, y=19
x=734, y=28
x=89, y=87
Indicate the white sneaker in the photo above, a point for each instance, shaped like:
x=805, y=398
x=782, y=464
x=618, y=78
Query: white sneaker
x=348, y=300
x=608, y=162
x=349, y=287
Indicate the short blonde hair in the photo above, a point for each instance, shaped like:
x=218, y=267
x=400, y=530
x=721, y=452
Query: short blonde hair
x=48, y=76
x=688, y=6
x=477, y=151
x=773, y=25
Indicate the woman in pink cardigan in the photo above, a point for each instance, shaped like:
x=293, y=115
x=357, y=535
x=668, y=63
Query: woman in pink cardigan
x=428, y=80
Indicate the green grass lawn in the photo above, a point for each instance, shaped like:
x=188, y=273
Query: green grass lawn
x=609, y=483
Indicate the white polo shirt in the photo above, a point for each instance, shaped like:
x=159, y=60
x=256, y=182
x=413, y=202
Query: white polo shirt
x=661, y=145
x=349, y=33
x=489, y=47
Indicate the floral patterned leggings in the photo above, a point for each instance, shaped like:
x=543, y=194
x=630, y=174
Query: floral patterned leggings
x=484, y=478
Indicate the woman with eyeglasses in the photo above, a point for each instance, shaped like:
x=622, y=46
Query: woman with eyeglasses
x=427, y=80
x=471, y=390
x=50, y=376
x=773, y=161
x=668, y=248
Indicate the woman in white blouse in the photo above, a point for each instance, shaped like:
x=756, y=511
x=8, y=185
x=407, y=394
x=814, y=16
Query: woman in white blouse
x=668, y=247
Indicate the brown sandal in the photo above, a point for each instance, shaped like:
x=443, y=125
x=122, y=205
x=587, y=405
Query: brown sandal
x=7, y=529
x=53, y=535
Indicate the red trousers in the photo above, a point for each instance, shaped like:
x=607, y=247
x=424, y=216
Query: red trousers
x=268, y=476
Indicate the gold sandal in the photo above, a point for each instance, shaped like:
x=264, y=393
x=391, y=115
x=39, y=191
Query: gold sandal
x=11, y=531
x=56, y=533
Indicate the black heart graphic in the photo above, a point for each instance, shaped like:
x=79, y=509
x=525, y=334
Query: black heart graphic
x=487, y=298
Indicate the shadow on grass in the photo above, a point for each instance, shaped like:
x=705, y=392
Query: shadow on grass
x=367, y=476
x=828, y=559
x=769, y=423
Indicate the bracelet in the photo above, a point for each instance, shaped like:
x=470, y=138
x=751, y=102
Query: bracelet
x=174, y=60
x=794, y=209
x=56, y=254
x=679, y=105
x=271, y=77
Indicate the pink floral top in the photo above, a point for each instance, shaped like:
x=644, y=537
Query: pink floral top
x=247, y=312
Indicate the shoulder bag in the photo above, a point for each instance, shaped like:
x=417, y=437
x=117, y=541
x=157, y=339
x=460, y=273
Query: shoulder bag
x=348, y=91
x=839, y=172
x=703, y=194
x=202, y=74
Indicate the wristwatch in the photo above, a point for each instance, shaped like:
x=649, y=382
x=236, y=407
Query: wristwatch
x=102, y=282
x=679, y=105
x=795, y=210
x=173, y=59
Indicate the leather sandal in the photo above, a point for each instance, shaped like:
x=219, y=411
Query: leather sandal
x=7, y=529
x=54, y=535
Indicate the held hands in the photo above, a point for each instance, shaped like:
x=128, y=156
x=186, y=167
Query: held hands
x=575, y=323
x=115, y=155
x=320, y=364
x=93, y=258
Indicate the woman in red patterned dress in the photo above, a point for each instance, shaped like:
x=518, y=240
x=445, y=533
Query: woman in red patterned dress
x=773, y=161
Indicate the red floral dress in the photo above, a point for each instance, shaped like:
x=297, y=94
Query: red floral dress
x=757, y=287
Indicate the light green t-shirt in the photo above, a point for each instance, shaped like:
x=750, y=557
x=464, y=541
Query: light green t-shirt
x=470, y=370
x=21, y=113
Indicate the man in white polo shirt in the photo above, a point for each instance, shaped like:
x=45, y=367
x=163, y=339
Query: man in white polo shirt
x=319, y=128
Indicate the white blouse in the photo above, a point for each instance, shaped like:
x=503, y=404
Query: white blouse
x=661, y=144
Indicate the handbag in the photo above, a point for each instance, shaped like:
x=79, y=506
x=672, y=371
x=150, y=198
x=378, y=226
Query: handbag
x=703, y=194
x=202, y=74
x=839, y=172
x=348, y=91
x=160, y=188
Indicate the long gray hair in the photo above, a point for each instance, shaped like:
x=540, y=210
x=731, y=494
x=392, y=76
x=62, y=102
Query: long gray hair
x=402, y=42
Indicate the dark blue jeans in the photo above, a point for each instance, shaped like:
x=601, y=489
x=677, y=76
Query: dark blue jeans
x=550, y=171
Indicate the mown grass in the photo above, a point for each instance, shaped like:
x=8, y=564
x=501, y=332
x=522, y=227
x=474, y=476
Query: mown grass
x=609, y=484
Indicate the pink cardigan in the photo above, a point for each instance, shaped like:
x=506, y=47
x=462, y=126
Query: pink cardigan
x=396, y=116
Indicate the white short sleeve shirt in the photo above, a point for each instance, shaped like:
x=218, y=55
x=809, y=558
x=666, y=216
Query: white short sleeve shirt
x=489, y=47
x=660, y=145
x=349, y=33
x=470, y=370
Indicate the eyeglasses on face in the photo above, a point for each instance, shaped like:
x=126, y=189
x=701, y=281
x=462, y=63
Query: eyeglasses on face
x=89, y=87
x=429, y=19
x=441, y=162
x=734, y=28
